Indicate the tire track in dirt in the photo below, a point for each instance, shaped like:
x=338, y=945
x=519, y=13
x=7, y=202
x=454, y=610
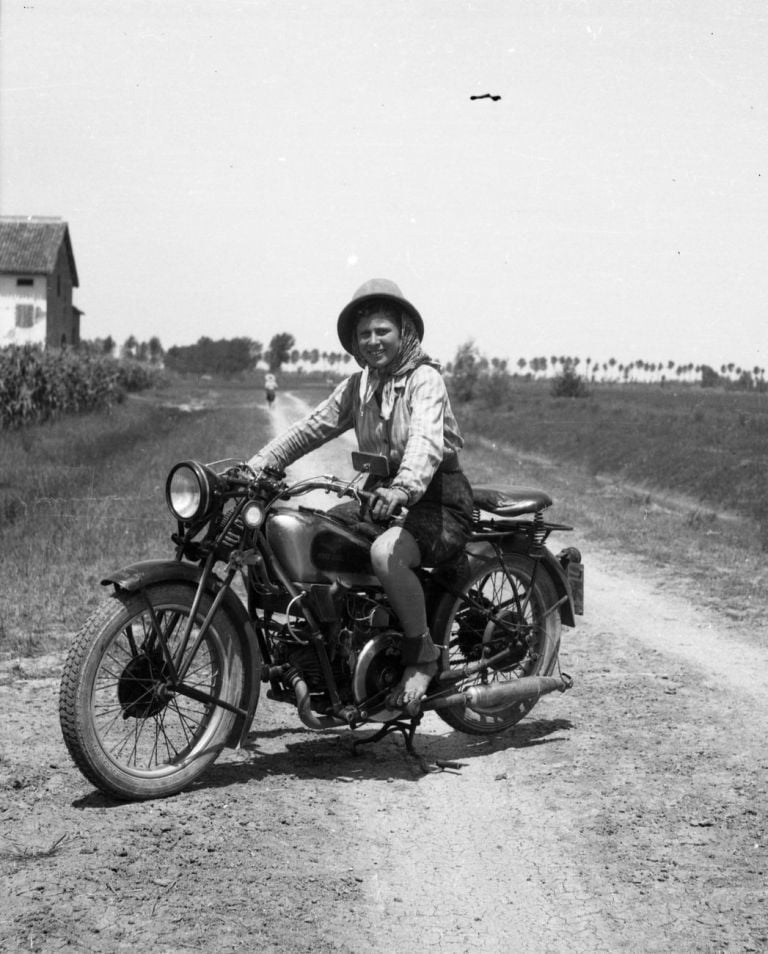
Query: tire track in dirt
x=406, y=829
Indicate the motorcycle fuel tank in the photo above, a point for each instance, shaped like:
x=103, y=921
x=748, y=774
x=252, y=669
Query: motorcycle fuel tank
x=315, y=548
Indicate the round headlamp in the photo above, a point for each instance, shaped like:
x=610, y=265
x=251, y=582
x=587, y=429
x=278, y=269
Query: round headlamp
x=253, y=516
x=189, y=490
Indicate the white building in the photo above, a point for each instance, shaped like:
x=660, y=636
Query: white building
x=37, y=275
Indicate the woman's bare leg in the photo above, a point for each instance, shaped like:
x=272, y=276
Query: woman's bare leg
x=394, y=555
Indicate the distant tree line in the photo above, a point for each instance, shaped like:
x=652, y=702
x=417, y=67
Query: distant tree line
x=613, y=371
x=228, y=356
x=147, y=352
x=225, y=356
x=472, y=375
x=469, y=369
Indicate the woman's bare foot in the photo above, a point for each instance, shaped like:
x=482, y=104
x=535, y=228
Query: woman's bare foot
x=412, y=688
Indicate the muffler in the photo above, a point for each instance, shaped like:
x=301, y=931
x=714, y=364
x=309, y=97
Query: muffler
x=501, y=693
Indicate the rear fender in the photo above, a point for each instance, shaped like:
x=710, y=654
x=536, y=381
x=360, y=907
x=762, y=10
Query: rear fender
x=139, y=576
x=481, y=551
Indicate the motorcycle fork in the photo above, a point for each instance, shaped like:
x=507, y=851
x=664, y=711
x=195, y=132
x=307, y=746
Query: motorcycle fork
x=177, y=668
x=217, y=601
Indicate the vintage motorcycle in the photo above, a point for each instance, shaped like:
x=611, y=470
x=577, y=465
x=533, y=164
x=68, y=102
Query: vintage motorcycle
x=168, y=671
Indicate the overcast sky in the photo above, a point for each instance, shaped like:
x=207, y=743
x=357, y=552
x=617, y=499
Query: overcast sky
x=239, y=167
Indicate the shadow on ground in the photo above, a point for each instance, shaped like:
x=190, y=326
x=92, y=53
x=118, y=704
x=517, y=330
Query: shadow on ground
x=333, y=755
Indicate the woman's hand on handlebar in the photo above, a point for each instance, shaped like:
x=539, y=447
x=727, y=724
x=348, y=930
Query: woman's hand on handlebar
x=387, y=501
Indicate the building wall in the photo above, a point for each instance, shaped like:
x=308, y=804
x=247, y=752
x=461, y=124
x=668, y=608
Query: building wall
x=62, y=328
x=23, y=309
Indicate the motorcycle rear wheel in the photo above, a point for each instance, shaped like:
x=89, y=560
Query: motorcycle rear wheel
x=503, y=588
x=128, y=734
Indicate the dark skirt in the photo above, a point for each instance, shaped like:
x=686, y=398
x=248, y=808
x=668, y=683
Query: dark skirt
x=441, y=520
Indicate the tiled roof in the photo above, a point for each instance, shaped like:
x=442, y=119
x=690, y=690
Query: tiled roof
x=32, y=245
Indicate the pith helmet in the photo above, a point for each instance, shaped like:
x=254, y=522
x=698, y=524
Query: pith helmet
x=374, y=289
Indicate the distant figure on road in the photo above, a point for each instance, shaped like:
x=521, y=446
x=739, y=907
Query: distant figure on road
x=270, y=387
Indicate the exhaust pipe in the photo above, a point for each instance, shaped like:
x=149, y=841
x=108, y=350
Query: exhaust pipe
x=304, y=706
x=501, y=693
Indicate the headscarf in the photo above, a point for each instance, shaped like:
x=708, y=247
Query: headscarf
x=410, y=355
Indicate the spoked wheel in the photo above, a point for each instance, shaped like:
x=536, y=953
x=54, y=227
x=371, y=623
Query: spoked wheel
x=129, y=732
x=524, y=626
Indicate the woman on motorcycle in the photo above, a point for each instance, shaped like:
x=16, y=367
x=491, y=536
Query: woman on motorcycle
x=399, y=407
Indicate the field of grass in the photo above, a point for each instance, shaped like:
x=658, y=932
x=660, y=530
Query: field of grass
x=708, y=445
x=85, y=495
x=673, y=478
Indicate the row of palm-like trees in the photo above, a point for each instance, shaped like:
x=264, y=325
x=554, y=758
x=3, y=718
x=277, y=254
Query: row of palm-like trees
x=592, y=369
x=151, y=351
x=640, y=370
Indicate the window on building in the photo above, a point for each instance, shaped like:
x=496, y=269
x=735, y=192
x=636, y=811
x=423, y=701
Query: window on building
x=25, y=316
x=25, y=282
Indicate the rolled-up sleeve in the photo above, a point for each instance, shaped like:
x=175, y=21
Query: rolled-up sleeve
x=326, y=421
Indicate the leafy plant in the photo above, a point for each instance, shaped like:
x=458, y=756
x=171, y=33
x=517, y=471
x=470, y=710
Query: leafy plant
x=494, y=388
x=280, y=350
x=36, y=385
x=569, y=384
x=465, y=372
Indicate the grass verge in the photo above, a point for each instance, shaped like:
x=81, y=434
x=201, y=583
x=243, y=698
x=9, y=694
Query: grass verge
x=705, y=444
x=86, y=495
x=714, y=561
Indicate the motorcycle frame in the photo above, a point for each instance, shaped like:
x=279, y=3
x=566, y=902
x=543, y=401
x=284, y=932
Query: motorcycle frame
x=251, y=625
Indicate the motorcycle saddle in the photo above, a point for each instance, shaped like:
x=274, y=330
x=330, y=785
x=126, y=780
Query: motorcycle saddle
x=510, y=503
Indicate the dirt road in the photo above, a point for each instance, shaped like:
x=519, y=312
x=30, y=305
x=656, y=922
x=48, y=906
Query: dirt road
x=625, y=815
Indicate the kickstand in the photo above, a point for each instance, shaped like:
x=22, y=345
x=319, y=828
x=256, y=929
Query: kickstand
x=407, y=729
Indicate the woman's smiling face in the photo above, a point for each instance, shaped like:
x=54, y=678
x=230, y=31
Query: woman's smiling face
x=378, y=337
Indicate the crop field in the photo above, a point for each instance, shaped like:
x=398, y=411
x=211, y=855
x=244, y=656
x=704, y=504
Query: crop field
x=85, y=494
x=37, y=385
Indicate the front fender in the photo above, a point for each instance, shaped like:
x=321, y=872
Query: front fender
x=550, y=565
x=140, y=576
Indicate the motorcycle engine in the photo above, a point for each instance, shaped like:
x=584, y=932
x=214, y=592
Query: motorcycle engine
x=364, y=652
x=373, y=649
x=378, y=670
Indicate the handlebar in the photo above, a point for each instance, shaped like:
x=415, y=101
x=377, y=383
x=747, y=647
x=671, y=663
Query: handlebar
x=341, y=488
x=273, y=483
x=331, y=485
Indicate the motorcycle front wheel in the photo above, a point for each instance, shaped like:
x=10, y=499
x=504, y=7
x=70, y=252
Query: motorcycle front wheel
x=527, y=626
x=128, y=731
